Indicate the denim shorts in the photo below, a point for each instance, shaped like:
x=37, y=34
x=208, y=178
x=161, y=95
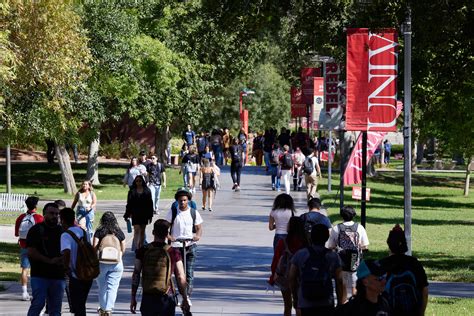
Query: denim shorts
x=24, y=261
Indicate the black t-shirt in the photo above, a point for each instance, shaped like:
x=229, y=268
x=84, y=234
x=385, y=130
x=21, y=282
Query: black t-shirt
x=236, y=154
x=192, y=158
x=154, y=173
x=101, y=232
x=361, y=306
x=47, y=240
x=284, y=139
x=400, y=263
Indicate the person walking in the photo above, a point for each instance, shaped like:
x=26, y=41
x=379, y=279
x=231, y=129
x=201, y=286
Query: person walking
x=156, y=181
x=85, y=200
x=216, y=143
x=388, y=150
x=268, y=141
x=243, y=138
x=257, y=149
x=47, y=271
x=315, y=216
x=285, y=248
x=298, y=159
x=192, y=162
x=23, y=224
x=283, y=209
x=275, y=168
x=186, y=224
x=109, y=241
x=236, y=153
x=134, y=169
x=154, y=264
x=78, y=289
x=183, y=170
x=189, y=136
x=208, y=184
x=227, y=142
x=140, y=209
x=286, y=163
x=311, y=179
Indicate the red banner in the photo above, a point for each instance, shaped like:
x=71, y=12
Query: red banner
x=298, y=107
x=332, y=91
x=307, y=75
x=372, y=68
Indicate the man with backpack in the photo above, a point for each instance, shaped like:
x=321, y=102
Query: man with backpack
x=185, y=231
x=286, y=162
x=156, y=179
x=22, y=225
x=236, y=155
x=407, y=284
x=311, y=273
x=314, y=216
x=80, y=261
x=47, y=271
x=312, y=172
x=155, y=263
x=350, y=240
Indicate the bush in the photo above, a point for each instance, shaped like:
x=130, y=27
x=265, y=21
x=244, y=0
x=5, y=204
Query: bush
x=112, y=150
x=397, y=149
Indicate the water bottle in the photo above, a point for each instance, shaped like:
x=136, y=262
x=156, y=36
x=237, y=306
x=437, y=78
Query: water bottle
x=129, y=225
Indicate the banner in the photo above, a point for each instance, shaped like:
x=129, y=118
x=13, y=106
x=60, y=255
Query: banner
x=307, y=88
x=298, y=107
x=372, y=68
x=318, y=100
x=353, y=172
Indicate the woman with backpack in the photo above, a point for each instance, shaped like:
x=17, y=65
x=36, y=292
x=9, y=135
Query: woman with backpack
x=109, y=241
x=85, y=200
x=286, y=247
x=208, y=184
x=283, y=209
x=140, y=208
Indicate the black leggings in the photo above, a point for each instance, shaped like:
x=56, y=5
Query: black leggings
x=235, y=170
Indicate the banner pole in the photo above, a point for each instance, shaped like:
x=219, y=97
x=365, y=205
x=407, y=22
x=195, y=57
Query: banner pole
x=341, y=168
x=329, y=161
x=364, y=179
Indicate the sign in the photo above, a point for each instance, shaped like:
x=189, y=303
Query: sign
x=318, y=100
x=325, y=155
x=298, y=107
x=357, y=193
x=307, y=75
x=332, y=91
x=372, y=69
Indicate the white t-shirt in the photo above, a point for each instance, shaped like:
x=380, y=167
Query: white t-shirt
x=183, y=226
x=334, y=234
x=281, y=217
x=67, y=242
x=314, y=159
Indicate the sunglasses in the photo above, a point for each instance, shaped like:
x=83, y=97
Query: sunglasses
x=382, y=277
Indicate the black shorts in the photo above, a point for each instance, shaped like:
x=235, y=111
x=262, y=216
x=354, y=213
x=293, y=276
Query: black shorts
x=162, y=305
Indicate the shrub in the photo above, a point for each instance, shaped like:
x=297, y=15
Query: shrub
x=112, y=150
x=397, y=149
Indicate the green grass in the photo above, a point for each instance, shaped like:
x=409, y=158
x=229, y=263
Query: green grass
x=9, y=262
x=442, y=220
x=440, y=306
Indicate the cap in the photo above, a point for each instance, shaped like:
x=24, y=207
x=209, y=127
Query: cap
x=368, y=267
x=142, y=153
x=183, y=191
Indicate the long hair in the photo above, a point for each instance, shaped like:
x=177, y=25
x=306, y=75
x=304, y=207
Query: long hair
x=90, y=186
x=108, y=222
x=130, y=166
x=284, y=201
x=134, y=185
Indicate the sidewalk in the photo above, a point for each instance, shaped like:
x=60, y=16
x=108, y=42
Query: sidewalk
x=234, y=256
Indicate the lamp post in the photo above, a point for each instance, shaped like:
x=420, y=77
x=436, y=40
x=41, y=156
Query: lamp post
x=244, y=115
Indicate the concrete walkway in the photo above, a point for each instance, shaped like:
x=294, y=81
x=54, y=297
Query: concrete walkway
x=234, y=255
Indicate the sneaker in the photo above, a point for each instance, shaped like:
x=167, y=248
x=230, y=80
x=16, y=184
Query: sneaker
x=189, y=302
x=25, y=296
x=299, y=188
x=273, y=187
x=233, y=187
x=210, y=210
x=203, y=208
x=237, y=188
x=278, y=190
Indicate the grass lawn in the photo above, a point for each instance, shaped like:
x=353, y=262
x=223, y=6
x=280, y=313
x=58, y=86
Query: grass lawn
x=9, y=262
x=440, y=306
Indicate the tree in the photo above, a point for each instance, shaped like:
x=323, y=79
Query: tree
x=53, y=66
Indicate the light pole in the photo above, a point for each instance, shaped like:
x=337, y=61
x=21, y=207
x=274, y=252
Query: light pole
x=244, y=115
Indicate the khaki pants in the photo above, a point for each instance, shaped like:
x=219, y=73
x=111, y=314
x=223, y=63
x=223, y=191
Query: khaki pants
x=311, y=185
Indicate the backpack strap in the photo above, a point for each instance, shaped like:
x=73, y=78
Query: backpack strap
x=77, y=240
x=193, y=215
x=174, y=213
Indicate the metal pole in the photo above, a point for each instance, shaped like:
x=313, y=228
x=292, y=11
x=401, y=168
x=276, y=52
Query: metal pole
x=307, y=119
x=407, y=129
x=9, y=169
x=364, y=179
x=329, y=162
x=341, y=168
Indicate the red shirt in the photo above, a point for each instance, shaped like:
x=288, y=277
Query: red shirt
x=38, y=219
x=294, y=245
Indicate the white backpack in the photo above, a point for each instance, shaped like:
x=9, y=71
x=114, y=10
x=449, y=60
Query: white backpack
x=109, y=250
x=26, y=223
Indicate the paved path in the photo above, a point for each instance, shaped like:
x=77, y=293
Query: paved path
x=234, y=256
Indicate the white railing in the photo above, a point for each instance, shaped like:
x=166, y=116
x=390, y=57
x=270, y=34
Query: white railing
x=12, y=203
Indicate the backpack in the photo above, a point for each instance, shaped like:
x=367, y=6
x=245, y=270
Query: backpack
x=287, y=161
x=156, y=273
x=110, y=251
x=27, y=222
x=403, y=294
x=87, y=263
x=275, y=157
x=308, y=166
x=282, y=270
x=174, y=213
x=236, y=154
x=348, y=247
x=316, y=282
x=309, y=220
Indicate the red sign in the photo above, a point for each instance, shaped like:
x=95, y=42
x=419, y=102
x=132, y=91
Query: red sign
x=332, y=91
x=357, y=193
x=307, y=75
x=298, y=107
x=325, y=155
x=372, y=68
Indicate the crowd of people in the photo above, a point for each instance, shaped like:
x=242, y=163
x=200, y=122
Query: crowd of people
x=310, y=253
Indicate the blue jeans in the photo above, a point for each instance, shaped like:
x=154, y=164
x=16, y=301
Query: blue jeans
x=191, y=254
x=276, y=239
x=46, y=289
x=275, y=176
x=155, y=195
x=108, y=283
x=89, y=216
x=266, y=158
x=217, y=149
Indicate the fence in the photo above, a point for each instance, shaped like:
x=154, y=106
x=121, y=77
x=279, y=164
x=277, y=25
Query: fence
x=12, y=203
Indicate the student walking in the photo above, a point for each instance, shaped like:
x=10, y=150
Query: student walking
x=236, y=154
x=208, y=184
x=192, y=162
x=134, y=169
x=312, y=175
x=286, y=163
x=85, y=200
x=298, y=159
x=275, y=168
x=283, y=209
x=156, y=181
x=109, y=241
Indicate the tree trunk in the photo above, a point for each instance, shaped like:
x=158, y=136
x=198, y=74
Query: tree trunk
x=371, y=167
x=93, y=161
x=66, y=171
x=419, y=152
x=162, y=139
x=470, y=166
x=414, y=167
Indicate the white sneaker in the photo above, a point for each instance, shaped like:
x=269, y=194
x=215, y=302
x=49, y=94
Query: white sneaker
x=189, y=302
x=25, y=296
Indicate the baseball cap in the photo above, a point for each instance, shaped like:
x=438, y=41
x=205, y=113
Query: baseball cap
x=368, y=267
x=183, y=191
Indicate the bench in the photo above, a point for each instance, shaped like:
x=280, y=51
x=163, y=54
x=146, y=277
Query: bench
x=12, y=203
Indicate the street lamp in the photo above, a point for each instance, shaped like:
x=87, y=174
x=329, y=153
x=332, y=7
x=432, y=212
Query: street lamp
x=244, y=114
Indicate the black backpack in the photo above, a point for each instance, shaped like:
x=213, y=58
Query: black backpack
x=308, y=166
x=236, y=154
x=287, y=161
x=348, y=247
x=403, y=294
x=316, y=282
